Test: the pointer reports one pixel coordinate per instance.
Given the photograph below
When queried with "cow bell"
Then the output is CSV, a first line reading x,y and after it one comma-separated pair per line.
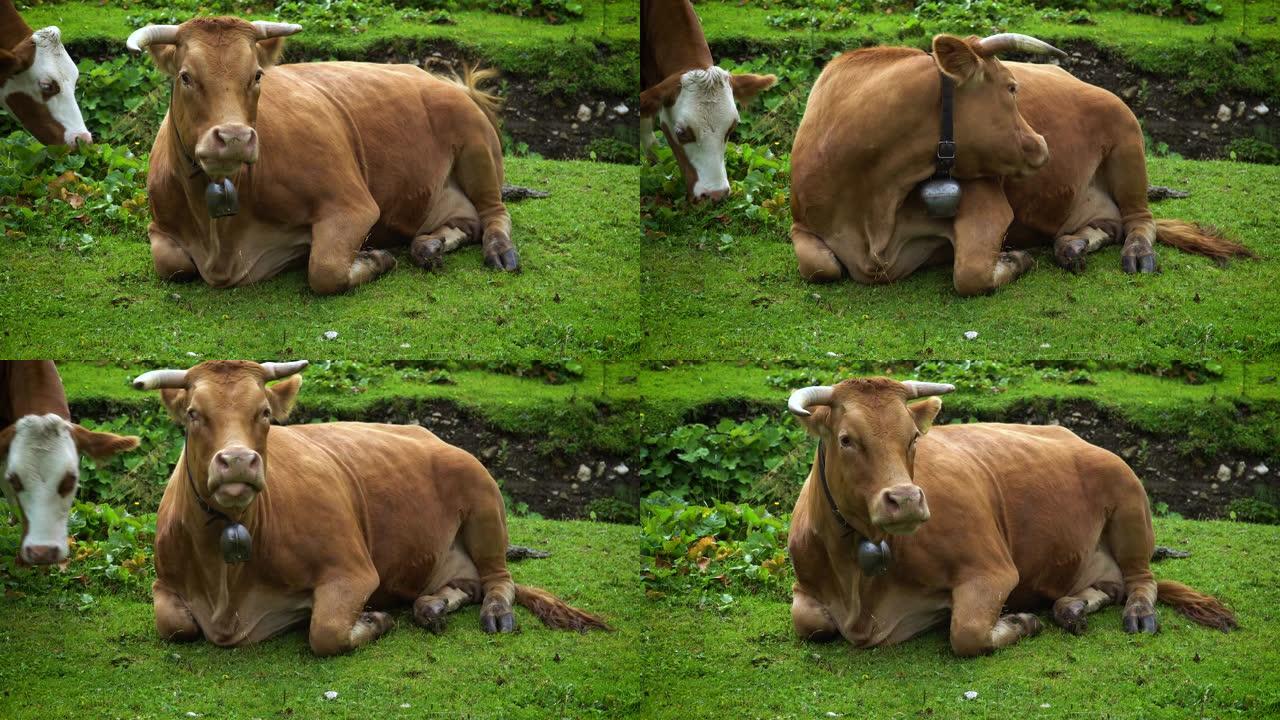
x,y
941,196
873,558
237,544
221,198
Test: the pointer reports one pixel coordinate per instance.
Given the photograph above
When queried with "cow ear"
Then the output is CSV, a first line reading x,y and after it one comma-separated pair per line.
x,y
175,402
165,56
6,439
101,445
17,60
924,412
270,50
816,423
747,85
956,58
664,93
281,396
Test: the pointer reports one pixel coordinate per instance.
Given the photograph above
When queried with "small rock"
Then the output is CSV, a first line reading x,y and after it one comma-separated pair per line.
x,y
1045,346
1261,469
1240,108
573,126
404,346
573,486
1224,113
555,492
1213,486
330,694
405,706
1053,421
1129,92
600,108
192,354
1224,473
1045,705
970,334
831,354
1129,452
489,452
1261,109
1239,468
330,334
584,113
832,713
1213,126
621,469
970,694
600,468
621,109
584,473
192,714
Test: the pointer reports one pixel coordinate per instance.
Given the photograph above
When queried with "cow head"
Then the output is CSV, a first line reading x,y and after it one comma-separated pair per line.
x,y
992,137
217,65
38,85
41,475
226,409
869,434
697,111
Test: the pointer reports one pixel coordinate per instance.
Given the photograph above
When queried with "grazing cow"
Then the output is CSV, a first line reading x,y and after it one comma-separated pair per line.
x,y
692,99
262,528
256,168
899,525
41,450
1039,155
38,80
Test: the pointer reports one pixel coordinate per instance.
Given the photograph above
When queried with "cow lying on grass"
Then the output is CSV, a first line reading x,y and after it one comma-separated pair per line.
x,y
262,527
256,168
1041,158
40,448
982,521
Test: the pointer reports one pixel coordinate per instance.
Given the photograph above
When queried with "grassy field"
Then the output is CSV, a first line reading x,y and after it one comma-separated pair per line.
x,y
106,661
578,249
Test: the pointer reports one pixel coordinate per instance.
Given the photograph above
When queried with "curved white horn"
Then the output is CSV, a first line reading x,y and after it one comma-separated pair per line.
x,y
1003,42
801,399
157,379
925,389
267,29
152,35
275,371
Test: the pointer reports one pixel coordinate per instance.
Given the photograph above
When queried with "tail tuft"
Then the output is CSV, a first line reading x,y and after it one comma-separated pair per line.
x,y
488,102
1201,608
1200,239
556,613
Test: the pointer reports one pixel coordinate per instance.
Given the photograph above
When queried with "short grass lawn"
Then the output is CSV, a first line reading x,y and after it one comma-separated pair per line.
x,y
57,661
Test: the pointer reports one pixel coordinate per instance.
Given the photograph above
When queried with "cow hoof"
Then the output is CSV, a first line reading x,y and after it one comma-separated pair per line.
x,y
1071,617
498,621
507,260
1139,264
1031,625
428,254
380,622
1071,256
382,260
1141,623
431,615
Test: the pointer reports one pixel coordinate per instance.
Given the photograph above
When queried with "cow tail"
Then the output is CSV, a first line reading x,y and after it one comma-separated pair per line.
x,y
556,613
489,103
1201,608
1200,239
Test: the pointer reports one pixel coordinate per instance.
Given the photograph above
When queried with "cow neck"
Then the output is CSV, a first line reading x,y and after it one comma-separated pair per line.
x,y
220,196
235,540
873,558
194,166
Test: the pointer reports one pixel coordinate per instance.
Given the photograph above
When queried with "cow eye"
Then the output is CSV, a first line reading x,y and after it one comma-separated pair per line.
x,y
193,416
846,441
685,135
1013,88
68,484
257,77
49,88
185,77
15,482
266,413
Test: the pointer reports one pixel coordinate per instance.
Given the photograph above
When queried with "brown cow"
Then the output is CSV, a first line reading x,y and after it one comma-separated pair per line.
x,y
331,519
692,98
315,161
38,80
42,447
973,519
1041,156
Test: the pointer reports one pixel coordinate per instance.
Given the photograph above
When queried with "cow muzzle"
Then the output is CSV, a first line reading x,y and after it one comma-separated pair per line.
x,y
235,476
225,148
901,509
42,554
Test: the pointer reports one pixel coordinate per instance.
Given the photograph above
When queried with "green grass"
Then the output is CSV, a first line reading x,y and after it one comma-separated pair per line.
x,y
597,53
573,299
748,301
106,661
745,662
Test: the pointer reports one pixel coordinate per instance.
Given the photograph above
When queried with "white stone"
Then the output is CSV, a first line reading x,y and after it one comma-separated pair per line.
x,y
1224,113
1045,346
600,108
1224,473
584,113
330,694
191,713
970,694
1261,469
1240,108
832,354
621,109
1261,109
584,473
404,346
621,469
1045,705
970,334
192,354
330,334
405,706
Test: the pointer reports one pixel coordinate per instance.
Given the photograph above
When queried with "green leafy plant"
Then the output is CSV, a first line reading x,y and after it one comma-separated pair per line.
x,y
699,463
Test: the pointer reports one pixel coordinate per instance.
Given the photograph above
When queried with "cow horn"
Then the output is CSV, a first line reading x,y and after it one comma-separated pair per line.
x,y
267,29
152,35
1004,42
276,371
801,399
158,379
925,389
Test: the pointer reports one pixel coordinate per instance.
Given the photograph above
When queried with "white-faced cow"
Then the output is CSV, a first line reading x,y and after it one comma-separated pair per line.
x,y
899,526
1039,155
263,527
258,167
38,81
40,448
691,99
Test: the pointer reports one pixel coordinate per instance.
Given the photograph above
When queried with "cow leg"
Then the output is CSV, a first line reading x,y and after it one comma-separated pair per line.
x,y
337,263
1070,611
169,259
817,263
429,610
1069,250
485,538
1125,172
339,623
174,621
977,627
1132,541
479,175
436,238
811,620
978,234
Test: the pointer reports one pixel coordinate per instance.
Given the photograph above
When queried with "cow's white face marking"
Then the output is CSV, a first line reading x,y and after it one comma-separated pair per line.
x,y
43,460
51,81
700,119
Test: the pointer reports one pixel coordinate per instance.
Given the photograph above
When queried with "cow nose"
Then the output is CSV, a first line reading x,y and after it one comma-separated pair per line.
x,y
235,462
41,554
712,195
232,136
81,138
903,499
